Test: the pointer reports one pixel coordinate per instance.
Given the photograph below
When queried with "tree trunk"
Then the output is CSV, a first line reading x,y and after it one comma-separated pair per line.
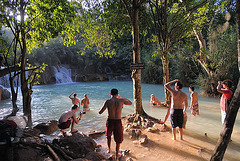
x,y
14,97
26,92
203,61
227,128
165,63
6,71
136,73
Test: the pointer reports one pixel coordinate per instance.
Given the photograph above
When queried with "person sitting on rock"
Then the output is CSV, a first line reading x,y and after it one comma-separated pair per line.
x,y
69,118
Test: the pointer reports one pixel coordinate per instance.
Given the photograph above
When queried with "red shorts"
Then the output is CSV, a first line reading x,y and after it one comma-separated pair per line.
x,y
115,126
64,125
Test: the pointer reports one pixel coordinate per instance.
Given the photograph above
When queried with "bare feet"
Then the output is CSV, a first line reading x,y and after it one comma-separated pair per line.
x,y
118,156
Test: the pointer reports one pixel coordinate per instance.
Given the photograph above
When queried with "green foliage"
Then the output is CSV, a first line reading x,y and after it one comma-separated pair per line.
x,y
49,19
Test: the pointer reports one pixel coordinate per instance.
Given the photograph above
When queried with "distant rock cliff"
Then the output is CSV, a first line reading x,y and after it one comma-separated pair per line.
x,y
89,74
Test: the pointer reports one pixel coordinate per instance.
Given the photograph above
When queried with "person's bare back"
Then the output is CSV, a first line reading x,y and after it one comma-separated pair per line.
x,y
194,97
75,100
114,106
178,97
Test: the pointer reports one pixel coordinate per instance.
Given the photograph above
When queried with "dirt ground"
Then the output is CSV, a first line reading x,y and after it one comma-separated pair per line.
x,y
161,147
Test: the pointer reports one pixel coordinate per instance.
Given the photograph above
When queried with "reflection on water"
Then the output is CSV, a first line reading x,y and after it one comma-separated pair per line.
x,y
49,101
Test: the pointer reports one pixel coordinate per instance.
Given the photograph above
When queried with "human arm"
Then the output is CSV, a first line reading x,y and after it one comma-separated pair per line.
x,y
168,85
166,117
185,104
103,108
71,94
191,96
75,118
127,101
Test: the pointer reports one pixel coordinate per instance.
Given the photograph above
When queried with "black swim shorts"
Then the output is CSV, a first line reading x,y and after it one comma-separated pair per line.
x,y
176,116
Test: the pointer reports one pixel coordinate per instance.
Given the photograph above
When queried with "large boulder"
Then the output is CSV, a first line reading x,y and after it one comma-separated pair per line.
x,y
5,94
79,144
47,127
48,76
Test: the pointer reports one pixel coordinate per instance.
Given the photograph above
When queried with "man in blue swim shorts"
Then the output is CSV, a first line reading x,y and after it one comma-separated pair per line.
x,y
177,110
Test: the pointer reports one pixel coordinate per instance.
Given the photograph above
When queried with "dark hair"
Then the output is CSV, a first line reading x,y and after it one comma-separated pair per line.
x,y
179,84
192,88
114,91
228,83
74,107
75,95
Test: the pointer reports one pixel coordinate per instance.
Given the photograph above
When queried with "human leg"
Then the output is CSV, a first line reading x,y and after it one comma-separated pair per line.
x,y
72,127
223,114
180,133
109,143
117,151
174,133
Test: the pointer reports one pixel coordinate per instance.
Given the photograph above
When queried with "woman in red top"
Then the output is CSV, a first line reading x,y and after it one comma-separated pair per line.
x,y
224,88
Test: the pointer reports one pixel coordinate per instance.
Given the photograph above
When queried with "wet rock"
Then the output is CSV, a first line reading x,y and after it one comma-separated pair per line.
x,y
152,130
143,139
137,118
5,93
128,127
134,133
129,159
95,156
47,127
79,144
96,134
162,127
150,123
130,117
136,125
32,140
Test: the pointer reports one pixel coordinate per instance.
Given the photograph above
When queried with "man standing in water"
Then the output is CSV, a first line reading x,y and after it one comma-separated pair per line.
x,y
114,124
194,102
85,102
177,110
75,100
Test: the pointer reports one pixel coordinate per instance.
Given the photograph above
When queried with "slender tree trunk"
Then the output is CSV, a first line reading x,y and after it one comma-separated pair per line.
x,y
26,92
203,61
136,73
165,63
14,97
227,128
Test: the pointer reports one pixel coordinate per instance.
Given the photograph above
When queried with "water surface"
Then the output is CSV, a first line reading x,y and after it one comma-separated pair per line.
x,y
49,101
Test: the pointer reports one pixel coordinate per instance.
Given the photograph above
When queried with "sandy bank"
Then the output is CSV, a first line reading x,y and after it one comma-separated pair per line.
x,y
161,147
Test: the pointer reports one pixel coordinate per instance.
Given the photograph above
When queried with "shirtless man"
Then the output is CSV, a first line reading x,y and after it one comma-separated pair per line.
x,y
114,124
177,110
75,100
194,102
69,117
85,103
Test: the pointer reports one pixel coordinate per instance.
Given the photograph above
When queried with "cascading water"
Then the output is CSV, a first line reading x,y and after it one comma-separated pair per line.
x,y
62,74
4,81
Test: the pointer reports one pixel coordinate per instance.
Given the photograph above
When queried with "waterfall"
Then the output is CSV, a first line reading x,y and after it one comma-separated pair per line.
x,y
4,81
62,74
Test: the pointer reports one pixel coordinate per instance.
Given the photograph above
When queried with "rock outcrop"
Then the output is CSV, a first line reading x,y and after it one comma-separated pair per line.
x,y
5,94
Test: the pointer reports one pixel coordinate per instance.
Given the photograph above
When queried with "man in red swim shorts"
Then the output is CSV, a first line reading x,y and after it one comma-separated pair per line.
x,y
114,124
